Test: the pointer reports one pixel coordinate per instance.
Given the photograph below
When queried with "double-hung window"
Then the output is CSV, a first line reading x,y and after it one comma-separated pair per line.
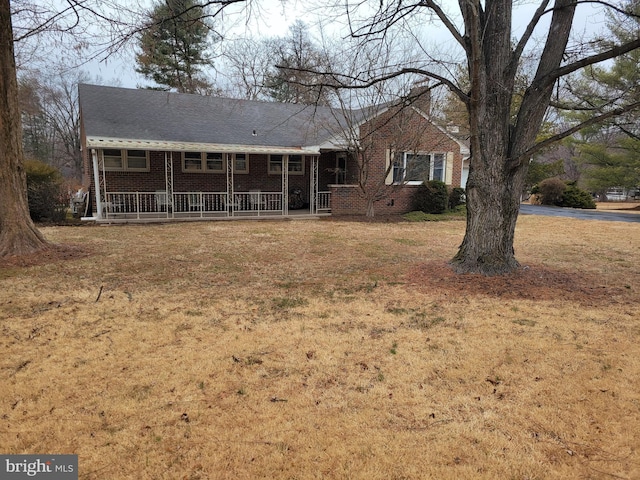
x,y
240,163
125,160
295,164
275,163
212,162
415,168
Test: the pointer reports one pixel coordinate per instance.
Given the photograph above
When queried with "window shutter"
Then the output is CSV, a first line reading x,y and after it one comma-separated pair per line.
x,y
448,177
388,167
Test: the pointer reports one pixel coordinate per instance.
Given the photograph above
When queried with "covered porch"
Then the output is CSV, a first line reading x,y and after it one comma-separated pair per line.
x,y
275,182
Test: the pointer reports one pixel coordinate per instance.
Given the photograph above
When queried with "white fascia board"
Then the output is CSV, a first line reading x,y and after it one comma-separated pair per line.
x,y
108,142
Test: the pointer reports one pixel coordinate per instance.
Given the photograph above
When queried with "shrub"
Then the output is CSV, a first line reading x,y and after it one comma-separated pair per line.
x,y
550,191
456,197
431,197
45,192
577,198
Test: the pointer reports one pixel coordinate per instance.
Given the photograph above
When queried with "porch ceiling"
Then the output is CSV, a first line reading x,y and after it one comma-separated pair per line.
x,y
106,142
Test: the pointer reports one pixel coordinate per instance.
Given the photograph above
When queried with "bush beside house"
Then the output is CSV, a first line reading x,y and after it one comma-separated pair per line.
x,y
431,197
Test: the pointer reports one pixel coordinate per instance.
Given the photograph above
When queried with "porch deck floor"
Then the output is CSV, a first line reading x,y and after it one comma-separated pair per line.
x,y
161,217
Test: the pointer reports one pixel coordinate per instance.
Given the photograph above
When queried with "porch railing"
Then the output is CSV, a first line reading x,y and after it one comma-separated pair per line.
x,y
140,205
323,202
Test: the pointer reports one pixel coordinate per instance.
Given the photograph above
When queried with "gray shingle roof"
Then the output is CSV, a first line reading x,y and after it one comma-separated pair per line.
x,y
151,115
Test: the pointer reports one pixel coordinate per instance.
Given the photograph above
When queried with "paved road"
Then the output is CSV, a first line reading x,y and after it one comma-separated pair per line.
x,y
579,214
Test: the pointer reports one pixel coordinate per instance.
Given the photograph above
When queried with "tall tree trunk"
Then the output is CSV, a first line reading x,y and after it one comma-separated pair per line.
x,y
493,202
18,234
498,162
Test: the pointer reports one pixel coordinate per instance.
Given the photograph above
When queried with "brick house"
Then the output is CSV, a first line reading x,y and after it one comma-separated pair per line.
x,y
153,155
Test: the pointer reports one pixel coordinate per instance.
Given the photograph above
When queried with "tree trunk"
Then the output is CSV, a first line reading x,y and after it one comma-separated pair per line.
x,y
493,203
18,234
498,163
370,210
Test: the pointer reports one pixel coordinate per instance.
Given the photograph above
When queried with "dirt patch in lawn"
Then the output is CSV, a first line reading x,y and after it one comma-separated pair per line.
x,y
51,254
531,282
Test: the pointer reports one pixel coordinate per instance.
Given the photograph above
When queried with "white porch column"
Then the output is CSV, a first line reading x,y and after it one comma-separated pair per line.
x,y
231,207
285,185
313,187
168,185
96,181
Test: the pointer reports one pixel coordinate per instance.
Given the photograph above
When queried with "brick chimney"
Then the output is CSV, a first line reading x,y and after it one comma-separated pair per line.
x,y
420,96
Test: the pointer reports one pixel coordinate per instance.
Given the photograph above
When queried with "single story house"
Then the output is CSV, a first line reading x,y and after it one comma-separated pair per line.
x,y
156,155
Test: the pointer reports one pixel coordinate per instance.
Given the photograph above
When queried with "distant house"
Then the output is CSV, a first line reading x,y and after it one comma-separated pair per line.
x,y
151,155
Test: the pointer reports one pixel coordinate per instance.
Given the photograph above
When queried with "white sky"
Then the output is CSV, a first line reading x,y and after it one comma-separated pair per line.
x,y
271,18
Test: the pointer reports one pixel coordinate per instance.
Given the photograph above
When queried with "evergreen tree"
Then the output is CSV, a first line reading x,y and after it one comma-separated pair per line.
x,y
173,47
610,153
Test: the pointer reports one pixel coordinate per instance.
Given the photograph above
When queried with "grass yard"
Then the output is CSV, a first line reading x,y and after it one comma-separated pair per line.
x,y
325,350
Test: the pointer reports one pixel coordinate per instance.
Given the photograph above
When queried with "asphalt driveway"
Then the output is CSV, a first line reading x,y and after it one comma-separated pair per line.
x,y
579,214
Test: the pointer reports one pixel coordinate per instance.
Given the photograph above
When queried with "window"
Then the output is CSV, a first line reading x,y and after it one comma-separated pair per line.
x,y
192,161
341,169
414,168
275,163
203,162
215,162
437,167
241,163
134,160
296,164
113,159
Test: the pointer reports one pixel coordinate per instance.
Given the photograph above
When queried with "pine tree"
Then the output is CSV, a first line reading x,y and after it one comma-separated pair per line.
x,y
609,152
173,47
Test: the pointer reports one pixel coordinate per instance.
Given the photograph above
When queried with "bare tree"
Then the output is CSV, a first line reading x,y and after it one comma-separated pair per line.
x,y
378,133
18,234
38,137
51,119
247,62
502,139
297,58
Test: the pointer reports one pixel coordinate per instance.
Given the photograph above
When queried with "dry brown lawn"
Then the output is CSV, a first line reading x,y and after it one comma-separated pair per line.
x,y
324,349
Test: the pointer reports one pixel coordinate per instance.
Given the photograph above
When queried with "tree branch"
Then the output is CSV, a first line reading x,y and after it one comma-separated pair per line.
x,y
517,53
446,21
592,121
614,52
346,82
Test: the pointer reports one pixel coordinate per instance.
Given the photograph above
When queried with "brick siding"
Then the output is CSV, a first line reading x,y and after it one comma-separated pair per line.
x,y
396,130
380,136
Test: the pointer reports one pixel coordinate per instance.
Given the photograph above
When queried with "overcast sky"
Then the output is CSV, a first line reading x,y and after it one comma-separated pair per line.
x,y
271,18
